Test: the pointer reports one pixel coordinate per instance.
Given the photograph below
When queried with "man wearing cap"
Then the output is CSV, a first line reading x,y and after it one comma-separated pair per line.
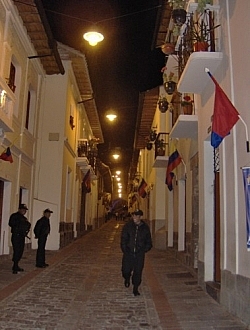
x,y
41,231
135,242
20,227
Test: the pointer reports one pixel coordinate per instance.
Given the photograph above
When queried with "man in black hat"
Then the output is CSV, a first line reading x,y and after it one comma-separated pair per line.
x,y
41,231
20,227
135,242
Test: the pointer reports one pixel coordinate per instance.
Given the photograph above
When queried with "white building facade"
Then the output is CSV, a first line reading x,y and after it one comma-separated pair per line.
x,y
203,219
48,127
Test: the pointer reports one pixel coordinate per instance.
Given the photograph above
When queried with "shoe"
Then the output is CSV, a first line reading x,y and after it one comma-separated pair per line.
x,y
14,271
46,265
40,266
20,269
126,283
136,292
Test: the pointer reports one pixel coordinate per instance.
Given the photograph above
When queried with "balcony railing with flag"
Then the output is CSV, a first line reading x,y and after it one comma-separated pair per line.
x,y
200,28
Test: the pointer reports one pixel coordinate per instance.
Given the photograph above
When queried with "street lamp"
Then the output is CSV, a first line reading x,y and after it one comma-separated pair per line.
x,y
116,156
111,116
93,37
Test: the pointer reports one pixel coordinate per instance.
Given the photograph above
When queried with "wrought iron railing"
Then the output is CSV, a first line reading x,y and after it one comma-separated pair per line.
x,y
161,144
198,33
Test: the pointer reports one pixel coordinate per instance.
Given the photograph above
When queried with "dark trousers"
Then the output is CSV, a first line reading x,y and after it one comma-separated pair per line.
x,y
133,264
40,253
18,242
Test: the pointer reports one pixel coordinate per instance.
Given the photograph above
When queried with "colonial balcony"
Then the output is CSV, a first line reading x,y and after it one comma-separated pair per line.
x,y
161,150
191,61
198,47
86,156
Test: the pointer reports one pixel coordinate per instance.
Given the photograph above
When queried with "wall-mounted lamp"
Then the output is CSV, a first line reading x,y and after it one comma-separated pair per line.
x,y
93,37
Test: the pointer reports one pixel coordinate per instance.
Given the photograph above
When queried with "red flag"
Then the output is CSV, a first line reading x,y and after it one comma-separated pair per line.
x,y
87,182
173,162
141,189
6,156
225,115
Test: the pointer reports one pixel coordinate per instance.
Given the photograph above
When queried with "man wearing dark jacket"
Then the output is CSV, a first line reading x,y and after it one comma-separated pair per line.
x,y
135,242
20,227
41,231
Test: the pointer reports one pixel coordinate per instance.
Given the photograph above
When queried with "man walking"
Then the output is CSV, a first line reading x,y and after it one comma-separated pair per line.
x,y
41,231
20,227
135,242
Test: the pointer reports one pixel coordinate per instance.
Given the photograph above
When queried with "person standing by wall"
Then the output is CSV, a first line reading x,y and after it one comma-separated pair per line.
x,y
41,231
20,226
135,242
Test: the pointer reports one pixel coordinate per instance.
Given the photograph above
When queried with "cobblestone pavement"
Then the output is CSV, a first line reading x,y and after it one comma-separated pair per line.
x,y
83,289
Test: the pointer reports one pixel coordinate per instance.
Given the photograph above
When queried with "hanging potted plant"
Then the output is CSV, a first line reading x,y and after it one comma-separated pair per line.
x,y
152,135
178,13
169,83
163,104
187,105
149,146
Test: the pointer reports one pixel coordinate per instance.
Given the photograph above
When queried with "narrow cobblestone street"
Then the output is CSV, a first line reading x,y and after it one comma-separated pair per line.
x,y
83,289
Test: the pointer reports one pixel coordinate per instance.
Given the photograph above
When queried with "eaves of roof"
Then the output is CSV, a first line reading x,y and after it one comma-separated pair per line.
x,y
80,68
38,29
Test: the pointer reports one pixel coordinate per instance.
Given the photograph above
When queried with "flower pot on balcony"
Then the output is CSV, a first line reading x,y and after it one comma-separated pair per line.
x,y
200,46
179,16
187,109
160,152
170,87
163,105
149,146
152,135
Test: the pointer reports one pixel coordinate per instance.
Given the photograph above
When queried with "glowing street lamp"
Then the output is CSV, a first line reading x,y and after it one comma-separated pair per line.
x,y
116,156
111,116
93,37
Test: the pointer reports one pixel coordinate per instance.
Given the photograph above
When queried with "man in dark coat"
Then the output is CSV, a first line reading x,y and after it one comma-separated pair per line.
x,y
41,231
20,227
135,242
